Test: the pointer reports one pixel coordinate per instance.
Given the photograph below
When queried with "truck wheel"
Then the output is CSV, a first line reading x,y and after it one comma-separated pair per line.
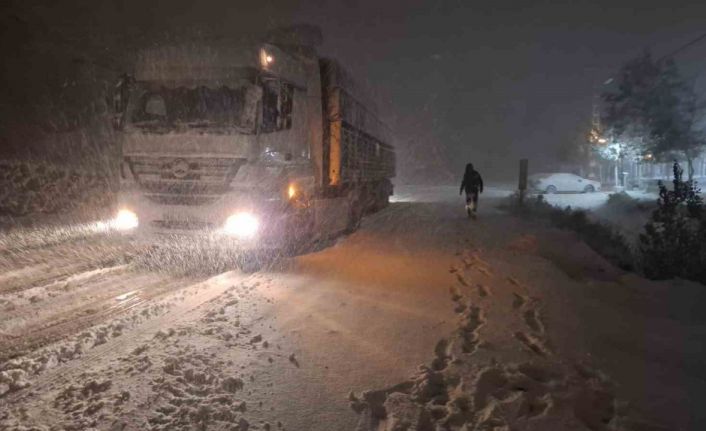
x,y
354,217
302,238
384,199
382,196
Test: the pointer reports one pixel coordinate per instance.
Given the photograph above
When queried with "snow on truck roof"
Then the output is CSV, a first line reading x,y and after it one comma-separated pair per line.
x,y
222,63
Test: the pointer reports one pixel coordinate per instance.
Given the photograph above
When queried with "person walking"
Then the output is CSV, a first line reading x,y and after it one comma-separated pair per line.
x,y
472,184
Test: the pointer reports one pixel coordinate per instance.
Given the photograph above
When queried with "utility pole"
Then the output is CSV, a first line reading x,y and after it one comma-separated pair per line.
x,y
523,180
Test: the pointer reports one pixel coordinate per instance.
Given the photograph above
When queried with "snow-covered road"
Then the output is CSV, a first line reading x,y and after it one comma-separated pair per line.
x,y
514,325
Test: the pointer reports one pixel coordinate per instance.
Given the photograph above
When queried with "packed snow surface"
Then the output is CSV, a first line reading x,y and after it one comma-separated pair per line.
x,y
421,320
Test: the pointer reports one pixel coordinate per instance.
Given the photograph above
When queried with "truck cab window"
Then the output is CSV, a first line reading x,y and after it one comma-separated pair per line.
x,y
223,108
276,106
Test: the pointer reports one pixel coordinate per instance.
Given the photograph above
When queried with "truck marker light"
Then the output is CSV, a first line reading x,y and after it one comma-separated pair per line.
x,y
241,225
125,220
266,59
291,191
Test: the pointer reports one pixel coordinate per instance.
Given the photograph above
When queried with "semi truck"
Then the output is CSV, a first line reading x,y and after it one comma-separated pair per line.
x,y
263,142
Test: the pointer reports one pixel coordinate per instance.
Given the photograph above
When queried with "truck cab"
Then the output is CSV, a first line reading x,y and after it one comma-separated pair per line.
x,y
255,142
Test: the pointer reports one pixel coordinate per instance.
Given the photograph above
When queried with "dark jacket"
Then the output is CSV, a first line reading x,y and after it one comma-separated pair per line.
x,y
472,181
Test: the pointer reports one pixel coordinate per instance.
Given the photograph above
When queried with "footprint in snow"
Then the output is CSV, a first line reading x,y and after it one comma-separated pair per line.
x,y
485,271
533,321
455,294
513,281
482,290
442,353
532,343
518,300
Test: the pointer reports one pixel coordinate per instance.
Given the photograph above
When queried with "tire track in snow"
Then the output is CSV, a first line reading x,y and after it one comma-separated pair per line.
x,y
70,320
48,273
137,382
33,303
198,295
34,268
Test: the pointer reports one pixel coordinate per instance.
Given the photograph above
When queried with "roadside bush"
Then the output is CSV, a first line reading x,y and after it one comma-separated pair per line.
x,y
674,241
602,238
623,202
620,199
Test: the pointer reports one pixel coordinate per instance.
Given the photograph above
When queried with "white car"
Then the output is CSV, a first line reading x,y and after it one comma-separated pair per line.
x,y
553,183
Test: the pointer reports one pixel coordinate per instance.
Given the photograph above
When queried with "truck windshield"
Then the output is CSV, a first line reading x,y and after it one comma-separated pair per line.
x,y
200,107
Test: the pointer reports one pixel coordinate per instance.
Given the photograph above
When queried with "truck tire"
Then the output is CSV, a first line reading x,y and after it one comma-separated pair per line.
x,y
355,215
380,196
383,197
303,236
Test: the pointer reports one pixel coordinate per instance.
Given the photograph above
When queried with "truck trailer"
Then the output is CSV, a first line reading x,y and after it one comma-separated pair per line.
x,y
261,142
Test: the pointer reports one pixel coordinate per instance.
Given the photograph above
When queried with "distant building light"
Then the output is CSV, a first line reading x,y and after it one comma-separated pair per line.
x,y
602,140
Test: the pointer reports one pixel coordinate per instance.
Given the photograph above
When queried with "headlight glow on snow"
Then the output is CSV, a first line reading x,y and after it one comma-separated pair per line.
x,y
125,220
241,225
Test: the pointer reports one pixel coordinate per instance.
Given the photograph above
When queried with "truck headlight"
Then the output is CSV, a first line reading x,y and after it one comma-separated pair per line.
x,y
241,225
125,220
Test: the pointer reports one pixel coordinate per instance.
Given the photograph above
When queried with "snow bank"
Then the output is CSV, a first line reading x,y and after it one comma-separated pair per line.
x,y
30,189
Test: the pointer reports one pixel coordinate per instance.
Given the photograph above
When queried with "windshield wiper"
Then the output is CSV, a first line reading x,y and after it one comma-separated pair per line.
x,y
216,126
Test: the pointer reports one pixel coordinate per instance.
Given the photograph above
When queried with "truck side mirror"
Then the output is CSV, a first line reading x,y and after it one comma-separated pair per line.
x,y
120,99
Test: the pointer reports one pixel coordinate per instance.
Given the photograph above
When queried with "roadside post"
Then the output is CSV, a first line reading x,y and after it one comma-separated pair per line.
x,y
523,180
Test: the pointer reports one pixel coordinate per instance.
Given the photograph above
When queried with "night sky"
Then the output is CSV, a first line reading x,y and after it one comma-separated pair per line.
x,y
489,81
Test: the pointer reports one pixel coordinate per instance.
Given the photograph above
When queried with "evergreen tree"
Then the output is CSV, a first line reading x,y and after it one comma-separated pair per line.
x,y
654,110
673,244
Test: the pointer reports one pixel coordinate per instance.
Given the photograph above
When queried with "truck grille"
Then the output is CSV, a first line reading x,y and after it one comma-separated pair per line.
x,y
184,181
182,224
